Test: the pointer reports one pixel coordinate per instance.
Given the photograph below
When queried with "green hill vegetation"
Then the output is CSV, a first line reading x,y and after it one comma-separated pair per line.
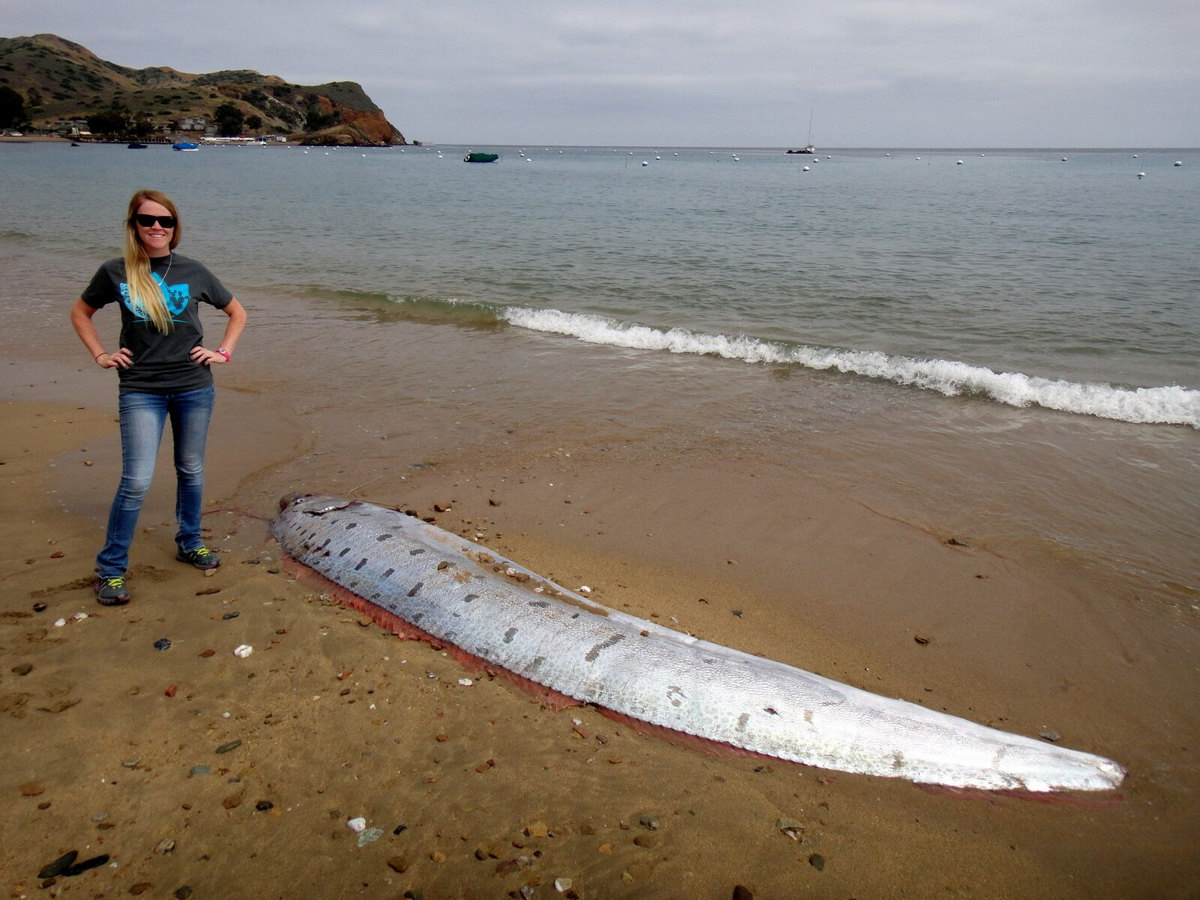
x,y
51,84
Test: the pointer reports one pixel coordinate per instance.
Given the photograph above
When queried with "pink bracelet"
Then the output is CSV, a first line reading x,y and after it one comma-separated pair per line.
x,y
224,353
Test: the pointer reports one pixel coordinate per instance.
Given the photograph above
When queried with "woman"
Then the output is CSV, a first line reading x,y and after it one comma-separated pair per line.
x,y
164,372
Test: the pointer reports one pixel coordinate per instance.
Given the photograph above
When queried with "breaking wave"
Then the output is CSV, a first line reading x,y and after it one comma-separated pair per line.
x,y
1169,404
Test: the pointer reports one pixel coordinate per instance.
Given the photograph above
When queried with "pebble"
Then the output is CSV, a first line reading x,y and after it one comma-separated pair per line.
x,y
740,892
584,589
232,745
79,616
264,805
649,822
537,829
817,861
165,846
59,623
241,651
162,644
22,669
60,865
398,864
39,607
31,789
357,824
648,841
140,888
198,771
170,690
182,893
791,828
131,763
232,614
208,654
465,682
1050,736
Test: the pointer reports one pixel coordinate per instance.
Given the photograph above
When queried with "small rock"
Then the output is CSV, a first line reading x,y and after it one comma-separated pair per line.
x,y
1050,736
165,846
398,864
232,614
357,824
649,822
60,865
537,830
31,789
264,805
241,651
39,607
140,888
182,893
605,848
170,690
233,801
274,570
648,841
791,828
199,771
465,682
162,644
22,668
817,861
208,654
132,762
562,885
57,554
920,640
742,893
399,829
437,856
232,745
59,623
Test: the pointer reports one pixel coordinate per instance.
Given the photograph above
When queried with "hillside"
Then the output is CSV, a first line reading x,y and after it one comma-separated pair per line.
x,y
60,81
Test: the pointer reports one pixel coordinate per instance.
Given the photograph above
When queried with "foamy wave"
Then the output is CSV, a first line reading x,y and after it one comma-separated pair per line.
x,y
1170,404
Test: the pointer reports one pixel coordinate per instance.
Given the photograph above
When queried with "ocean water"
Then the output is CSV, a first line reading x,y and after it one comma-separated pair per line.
x,y
1010,332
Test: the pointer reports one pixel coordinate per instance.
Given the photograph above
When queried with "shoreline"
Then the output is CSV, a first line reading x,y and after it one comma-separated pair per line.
x,y
726,546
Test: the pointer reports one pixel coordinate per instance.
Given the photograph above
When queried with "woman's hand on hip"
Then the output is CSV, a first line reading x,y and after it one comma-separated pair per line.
x,y
204,357
122,359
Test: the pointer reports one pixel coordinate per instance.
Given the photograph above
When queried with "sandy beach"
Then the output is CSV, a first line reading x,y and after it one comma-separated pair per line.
x,y
198,773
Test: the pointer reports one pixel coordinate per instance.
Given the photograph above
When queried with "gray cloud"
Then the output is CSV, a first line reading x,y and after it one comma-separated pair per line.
x,y
876,72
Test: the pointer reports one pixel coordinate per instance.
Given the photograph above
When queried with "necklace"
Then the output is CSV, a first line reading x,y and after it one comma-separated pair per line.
x,y
170,262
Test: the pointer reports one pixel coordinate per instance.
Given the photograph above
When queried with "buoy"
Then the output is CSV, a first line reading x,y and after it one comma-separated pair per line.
x,y
1064,159
918,159
959,163
658,157
1141,175
645,163
1178,163
805,169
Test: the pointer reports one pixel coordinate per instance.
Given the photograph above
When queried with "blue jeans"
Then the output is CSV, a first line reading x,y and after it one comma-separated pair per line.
x,y
142,420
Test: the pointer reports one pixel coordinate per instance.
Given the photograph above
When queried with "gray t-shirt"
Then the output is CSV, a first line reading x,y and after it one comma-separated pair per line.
x,y
161,362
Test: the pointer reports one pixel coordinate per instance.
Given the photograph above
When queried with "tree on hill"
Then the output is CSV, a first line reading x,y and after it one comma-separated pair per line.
x,y
111,121
12,108
229,120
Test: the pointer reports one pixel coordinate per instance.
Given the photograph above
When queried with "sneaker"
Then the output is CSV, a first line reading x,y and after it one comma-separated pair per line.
x,y
200,557
111,592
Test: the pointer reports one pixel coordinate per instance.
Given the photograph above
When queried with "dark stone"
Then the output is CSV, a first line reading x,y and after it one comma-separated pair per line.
x,y
79,868
400,828
22,669
264,805
162,644
742,893
59,866
39,607
817,861
182,893
232,745
233,614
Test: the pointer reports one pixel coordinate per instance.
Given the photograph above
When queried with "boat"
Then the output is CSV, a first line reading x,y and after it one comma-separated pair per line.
x,y
185,145
136,146
477,157
809,149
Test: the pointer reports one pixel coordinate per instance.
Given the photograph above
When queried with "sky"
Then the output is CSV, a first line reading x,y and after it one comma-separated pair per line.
x,y
867,73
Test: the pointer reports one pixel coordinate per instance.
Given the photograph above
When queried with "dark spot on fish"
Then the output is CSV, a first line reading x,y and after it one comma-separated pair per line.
x,y
771,710
351,525
743,721
613,640
469,597
353,584
540,604
416,552
326,544
897,760
508,635
375,596
536,662
417,617
384,537
416,587
344,552
362,562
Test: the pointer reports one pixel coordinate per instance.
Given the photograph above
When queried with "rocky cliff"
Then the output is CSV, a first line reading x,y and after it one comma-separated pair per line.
x,y
62,81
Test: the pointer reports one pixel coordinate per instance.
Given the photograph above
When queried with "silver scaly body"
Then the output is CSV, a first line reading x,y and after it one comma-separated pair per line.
x,y
464,594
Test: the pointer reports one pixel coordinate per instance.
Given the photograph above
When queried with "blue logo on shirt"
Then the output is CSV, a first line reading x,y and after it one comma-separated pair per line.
x,y
176,296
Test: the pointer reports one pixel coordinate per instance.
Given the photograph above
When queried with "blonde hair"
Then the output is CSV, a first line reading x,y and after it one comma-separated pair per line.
x,y
144,292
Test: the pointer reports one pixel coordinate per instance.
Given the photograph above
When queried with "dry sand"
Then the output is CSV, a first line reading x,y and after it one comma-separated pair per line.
x,y
476,790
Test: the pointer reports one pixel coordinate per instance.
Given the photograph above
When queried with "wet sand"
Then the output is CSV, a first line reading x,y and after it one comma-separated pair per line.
x,y
478,791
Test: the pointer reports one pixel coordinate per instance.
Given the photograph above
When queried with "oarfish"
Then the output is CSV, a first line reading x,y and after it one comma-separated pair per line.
x,y
465,595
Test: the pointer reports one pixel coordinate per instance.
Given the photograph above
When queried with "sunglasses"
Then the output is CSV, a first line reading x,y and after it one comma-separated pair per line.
x,y
146,220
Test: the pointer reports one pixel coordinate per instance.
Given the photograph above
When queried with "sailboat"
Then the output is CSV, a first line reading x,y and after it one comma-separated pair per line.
x,y
808,148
